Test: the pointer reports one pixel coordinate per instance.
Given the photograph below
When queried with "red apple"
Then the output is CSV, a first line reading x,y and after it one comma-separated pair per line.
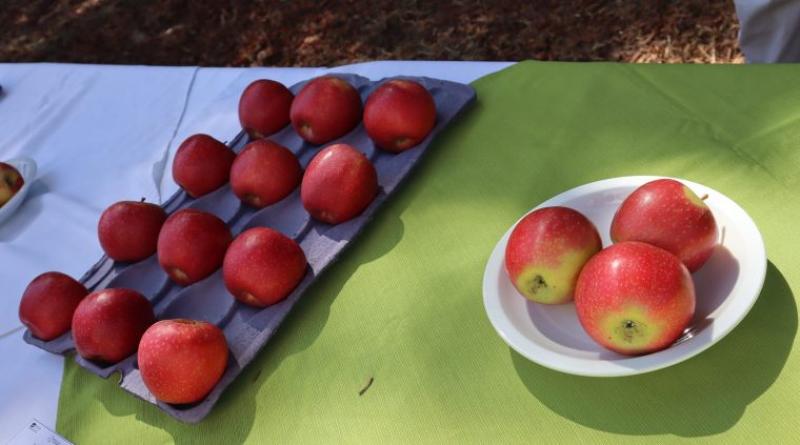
x,y
634,298
264,173
191,245
339,184
48,303
264,108
10,182
181,360
399,114
263,266
667,214
326,108
546,251
128,230
108,324
202,165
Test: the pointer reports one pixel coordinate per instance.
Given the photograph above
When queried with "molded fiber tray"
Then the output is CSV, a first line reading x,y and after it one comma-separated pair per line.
x,y
248,329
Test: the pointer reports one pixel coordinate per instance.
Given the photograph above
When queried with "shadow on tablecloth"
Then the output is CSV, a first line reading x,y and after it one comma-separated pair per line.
x,y
703,396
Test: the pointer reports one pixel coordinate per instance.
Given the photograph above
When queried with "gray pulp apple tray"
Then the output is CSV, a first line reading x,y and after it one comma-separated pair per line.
x,y
248,329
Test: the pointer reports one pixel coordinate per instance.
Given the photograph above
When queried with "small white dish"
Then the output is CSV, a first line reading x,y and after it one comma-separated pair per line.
x,y
727,286
26,168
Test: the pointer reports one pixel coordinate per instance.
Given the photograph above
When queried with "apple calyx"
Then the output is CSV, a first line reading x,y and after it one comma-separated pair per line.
x,y
630,329
536,284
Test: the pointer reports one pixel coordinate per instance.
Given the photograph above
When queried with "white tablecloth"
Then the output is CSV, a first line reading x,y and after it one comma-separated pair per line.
x,y
101,134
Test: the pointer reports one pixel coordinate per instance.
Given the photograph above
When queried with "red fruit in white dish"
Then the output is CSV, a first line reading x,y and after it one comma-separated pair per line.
x,y
202,164
399,114
546,251
108,324
264,108
181,360
667,214
191,245
10,182
339,183
634,298
48,303
128,230
263,266
265,172
325,109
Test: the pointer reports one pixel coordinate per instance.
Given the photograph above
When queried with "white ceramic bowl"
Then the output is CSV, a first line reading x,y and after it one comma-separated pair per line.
x,y
26,168
727,286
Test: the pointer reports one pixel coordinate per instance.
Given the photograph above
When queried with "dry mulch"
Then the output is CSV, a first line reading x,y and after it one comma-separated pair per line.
x,y
327,33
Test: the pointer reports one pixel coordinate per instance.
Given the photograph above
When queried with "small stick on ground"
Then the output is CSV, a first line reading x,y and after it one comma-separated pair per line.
x,y
366,387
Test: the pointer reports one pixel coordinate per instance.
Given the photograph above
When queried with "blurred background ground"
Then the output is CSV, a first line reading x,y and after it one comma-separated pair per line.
x,y
328,33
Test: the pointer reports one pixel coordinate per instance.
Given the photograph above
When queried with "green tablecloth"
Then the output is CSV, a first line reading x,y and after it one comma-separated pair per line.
x,y
404,305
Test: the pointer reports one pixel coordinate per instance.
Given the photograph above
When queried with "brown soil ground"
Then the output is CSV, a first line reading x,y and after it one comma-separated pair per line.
x,y
327,33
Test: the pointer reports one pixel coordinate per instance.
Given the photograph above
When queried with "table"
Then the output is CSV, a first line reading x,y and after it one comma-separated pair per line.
x,y
402,308
101,134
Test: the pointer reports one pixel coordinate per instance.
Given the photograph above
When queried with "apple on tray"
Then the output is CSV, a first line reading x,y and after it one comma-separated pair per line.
x,y
263,266
191,245
128,230
339,183
546,251
108,324
634,298
667,214
264,108
325,109
10,182
399,114
202,164
264,172
48,304
181,360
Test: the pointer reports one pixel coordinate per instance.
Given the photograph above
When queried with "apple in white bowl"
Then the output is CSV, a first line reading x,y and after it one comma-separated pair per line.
x,y
10,182
16,177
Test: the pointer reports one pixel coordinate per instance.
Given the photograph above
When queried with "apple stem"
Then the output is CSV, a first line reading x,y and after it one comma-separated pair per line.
x,y
143,199
704,197
366,387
